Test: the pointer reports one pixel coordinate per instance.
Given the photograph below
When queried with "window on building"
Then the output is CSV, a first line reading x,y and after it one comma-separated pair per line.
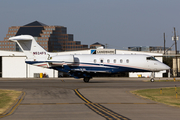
x,y
108,61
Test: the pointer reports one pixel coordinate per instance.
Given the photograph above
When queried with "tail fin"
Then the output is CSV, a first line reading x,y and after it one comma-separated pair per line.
x,y
30,47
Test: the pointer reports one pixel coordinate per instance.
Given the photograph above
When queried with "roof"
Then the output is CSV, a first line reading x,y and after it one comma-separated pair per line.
x,y
11,53
34,29
97,43
36,23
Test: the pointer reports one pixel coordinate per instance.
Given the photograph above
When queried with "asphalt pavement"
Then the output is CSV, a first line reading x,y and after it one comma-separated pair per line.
x,y
100,99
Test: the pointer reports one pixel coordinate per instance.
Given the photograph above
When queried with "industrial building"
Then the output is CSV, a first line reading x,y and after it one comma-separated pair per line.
x,y
51,38
158,49
12,63
96,45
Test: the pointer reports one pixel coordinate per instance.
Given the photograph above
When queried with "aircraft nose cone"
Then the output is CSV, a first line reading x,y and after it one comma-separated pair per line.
x,y
166,67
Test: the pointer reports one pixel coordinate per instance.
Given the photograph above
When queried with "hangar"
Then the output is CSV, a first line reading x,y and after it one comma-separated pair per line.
x,y
12,63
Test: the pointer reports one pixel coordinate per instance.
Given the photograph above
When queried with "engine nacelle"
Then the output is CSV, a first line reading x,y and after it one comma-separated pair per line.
x,y
62,59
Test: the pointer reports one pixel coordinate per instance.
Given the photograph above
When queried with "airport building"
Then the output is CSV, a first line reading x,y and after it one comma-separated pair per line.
x,y
51,38
12,64
97,45
158,49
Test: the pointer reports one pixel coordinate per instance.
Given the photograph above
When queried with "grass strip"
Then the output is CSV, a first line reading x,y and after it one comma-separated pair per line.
x,y
167,81
169,96
7,98
158,80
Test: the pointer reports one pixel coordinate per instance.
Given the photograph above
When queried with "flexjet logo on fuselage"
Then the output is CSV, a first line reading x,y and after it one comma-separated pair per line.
x,y
39,53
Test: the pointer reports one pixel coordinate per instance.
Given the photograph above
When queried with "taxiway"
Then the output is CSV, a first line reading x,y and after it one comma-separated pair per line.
x,y
100,99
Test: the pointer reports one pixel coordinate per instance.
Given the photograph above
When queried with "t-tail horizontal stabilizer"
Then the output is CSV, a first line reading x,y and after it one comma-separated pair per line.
x,y
30,47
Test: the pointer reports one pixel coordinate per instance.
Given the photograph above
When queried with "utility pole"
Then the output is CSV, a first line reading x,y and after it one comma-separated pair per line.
x,y
176,51
164,44
106,45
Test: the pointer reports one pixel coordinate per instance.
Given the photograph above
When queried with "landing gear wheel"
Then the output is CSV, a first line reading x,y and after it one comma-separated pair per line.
x,y
86,80
152,80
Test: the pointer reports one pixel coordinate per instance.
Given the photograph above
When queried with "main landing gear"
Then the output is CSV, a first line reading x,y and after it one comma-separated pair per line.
x,y
86,79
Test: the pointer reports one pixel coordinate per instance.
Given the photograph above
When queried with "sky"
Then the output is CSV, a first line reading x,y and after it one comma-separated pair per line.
x,y
117,23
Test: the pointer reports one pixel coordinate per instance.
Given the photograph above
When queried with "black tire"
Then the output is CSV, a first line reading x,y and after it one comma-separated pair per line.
x,y
152,80
86,80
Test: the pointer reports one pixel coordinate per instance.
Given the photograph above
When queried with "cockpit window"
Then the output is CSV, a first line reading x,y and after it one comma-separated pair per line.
x,y
151,58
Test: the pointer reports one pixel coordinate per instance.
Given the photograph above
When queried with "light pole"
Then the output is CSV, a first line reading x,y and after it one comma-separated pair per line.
x,y
175,40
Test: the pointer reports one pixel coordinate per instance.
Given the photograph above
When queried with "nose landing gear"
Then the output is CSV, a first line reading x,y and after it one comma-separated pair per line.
x,y
152,80
152,77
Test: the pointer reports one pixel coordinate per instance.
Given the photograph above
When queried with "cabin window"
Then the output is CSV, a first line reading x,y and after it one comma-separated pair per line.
x,y
94,60
101,61
108,61
121,61
127,61
114,60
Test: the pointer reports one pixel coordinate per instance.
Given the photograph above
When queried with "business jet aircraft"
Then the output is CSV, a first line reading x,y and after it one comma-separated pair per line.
x,y
86,66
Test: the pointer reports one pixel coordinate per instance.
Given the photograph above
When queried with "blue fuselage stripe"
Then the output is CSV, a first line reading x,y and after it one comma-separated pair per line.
x,y
94,67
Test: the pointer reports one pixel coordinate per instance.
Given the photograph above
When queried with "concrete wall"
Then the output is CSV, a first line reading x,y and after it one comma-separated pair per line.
x,y
146,74
34,69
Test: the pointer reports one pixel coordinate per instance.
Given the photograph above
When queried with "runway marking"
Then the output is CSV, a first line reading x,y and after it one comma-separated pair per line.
x,y
101,110
62,80
11,109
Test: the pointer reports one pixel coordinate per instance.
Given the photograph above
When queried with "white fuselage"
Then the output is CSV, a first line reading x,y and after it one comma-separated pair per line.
x,y
103,63
85,66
